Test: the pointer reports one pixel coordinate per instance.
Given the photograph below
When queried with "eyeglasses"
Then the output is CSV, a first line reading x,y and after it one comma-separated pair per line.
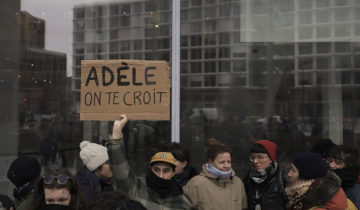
x,y
259,157
336,161
61,179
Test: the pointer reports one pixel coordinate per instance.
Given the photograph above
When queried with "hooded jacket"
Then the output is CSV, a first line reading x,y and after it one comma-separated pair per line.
x,y
324,193
207,192
136,188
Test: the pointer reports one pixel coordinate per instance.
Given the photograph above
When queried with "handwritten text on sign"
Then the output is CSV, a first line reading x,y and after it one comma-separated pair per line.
x,y
140,89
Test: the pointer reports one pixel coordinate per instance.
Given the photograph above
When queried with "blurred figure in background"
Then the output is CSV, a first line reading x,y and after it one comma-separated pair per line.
x,y
323,147
264,184
183,170
343,160
217,187
23,173
57,187
96,175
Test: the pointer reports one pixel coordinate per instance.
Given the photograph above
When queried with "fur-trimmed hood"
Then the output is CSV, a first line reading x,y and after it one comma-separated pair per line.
x,y
321,191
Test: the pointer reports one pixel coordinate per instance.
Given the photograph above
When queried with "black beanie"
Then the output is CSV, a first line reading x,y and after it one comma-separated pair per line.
x,y
310,165
24,169
6,202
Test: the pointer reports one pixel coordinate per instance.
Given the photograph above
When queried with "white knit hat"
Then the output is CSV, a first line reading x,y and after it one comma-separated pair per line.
x,y
93,155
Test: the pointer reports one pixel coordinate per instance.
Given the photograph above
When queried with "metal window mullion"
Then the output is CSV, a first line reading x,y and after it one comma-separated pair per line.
x,y
175,73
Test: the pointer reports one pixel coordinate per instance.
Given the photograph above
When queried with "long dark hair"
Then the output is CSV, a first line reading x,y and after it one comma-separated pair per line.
x,y
38,197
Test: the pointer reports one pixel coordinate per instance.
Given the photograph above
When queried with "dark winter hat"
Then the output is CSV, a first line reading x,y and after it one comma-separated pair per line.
x,y
270,147
24,169
310,165
6,202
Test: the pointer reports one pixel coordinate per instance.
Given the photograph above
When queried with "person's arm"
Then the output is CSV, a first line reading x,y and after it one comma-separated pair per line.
x,y
192,193
124,178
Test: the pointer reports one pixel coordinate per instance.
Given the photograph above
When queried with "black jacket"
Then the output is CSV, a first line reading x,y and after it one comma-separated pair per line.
x,y
271,192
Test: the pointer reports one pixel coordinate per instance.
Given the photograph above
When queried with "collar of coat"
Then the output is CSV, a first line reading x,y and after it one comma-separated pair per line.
x,y
321,191
219,181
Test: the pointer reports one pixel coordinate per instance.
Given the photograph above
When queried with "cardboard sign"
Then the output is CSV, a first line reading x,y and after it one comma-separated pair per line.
x,y
138,88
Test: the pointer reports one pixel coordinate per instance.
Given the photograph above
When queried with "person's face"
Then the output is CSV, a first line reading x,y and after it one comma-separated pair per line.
x,y
222,161
104,171
180,166
335,163
163,171
293,174
260,160
59,196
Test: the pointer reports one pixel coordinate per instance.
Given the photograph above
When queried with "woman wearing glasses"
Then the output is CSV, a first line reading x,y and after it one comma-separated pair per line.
x,y
58,187
264,182
343,161
217,187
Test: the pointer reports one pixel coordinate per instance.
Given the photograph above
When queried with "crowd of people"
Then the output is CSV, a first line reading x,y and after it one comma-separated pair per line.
x,y
325,178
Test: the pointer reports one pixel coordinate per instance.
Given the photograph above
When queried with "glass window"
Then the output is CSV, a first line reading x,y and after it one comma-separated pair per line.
x,y
342,14
323,62
224,52
224,38
306,63
137,44
196,54
305,33
323,32
210,12
224,66
305,78
305,48
210,53
280,69
196,67
210,81
305,4
323,47
239,65
342,30
225,10
323,16
342,47
305,17
196,2
342,62
322,3
210,67
196,14
210,39
196,27
195,40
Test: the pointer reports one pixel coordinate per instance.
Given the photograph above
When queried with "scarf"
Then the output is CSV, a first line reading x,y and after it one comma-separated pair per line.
x,y
296,190
185,176
163,187
348,176
259,176
216,172
55,207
